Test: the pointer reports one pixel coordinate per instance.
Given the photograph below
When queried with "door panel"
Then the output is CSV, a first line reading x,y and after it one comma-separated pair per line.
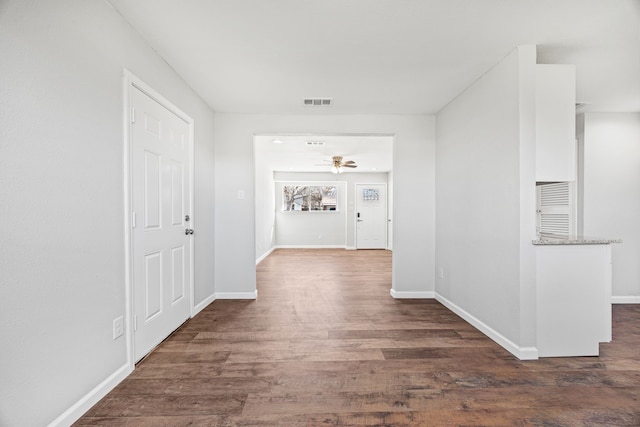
x,y
153,284
177,193
371,212
178,276
151,124
160,196
151,190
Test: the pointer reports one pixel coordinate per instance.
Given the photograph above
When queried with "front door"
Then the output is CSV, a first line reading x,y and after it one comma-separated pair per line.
x,y
160,160
371,216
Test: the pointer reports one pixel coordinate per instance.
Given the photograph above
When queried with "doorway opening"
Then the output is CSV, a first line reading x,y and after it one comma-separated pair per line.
x,y
316,163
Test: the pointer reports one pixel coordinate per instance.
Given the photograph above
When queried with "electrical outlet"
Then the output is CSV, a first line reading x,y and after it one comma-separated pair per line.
x,y
118,327
441,273
319,236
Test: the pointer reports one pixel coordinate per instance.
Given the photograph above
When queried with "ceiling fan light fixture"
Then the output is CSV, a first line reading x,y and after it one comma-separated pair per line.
x,y
339,165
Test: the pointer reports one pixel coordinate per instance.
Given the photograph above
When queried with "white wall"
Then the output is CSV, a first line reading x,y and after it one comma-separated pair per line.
x,y
390,211
307,229
555,122
414,173
485,181
580,173
265,210
611,193
61,174
336,228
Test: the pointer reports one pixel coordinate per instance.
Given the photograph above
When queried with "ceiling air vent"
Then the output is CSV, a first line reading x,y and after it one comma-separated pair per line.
x,y
314,143
317,102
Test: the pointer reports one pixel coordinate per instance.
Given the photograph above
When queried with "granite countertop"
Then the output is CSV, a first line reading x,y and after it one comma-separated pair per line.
x,y
550,239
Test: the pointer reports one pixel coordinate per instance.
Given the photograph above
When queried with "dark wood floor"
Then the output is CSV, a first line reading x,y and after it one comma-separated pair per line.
x,y
325,345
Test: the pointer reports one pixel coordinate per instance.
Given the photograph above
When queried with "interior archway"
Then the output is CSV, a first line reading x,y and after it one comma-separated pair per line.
x,y
308,160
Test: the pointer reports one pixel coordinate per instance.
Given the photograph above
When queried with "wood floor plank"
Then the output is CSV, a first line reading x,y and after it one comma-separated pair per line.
x,y
316,356
154,421
398,334
125,405
215,386
325,345
178,370
163,354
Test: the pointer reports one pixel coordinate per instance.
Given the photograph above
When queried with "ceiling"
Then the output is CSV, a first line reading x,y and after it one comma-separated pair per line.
x,y
313,153
382,56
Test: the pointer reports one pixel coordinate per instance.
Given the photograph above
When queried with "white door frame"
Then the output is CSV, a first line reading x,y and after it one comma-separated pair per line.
x,y
355,215
131,81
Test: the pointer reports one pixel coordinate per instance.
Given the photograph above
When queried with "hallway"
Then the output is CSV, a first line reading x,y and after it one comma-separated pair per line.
x,y
325,345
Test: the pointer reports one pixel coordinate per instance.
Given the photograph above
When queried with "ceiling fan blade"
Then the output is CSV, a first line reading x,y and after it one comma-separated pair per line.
x,y
349,166
348,162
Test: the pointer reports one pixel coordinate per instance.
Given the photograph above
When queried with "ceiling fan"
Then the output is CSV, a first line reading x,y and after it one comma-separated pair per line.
x,y
338,164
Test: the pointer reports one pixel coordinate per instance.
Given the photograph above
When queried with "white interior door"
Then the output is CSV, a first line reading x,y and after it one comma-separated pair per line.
x,y
161,250
371,216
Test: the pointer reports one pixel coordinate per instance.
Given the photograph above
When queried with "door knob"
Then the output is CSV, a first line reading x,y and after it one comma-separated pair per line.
x,y
188,231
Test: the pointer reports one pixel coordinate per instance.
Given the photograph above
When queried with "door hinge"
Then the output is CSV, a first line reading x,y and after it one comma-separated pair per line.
x,y
135,323
133,220
133,115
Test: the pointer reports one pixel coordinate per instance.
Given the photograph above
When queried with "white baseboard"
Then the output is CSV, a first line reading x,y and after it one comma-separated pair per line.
x,y
528,353
237,295
201,306
269,252
350,248
310,247
629,299
79,408
412,295
522,353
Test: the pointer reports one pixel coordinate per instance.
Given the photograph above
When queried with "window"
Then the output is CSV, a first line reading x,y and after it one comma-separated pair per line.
x,y
306,198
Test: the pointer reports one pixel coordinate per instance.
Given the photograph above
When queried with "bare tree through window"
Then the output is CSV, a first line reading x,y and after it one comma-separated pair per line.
x,y
309,198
